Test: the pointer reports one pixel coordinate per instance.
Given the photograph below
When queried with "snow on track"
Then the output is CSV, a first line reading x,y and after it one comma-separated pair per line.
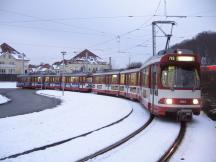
x,y
147,146
78,148
78,114
199,143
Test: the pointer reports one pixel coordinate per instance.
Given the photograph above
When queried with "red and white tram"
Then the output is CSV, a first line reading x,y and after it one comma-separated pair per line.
x,y
166,84
170,84
130,84
106,83
77,82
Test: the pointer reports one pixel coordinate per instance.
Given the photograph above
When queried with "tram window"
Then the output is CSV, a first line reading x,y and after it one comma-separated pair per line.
x,y
74,79
121,88
67,79
145,80
89,79
114,79
114,87
46,79
133,78
99,79
167,77
133,89
179,77
83,79
122,79
56,79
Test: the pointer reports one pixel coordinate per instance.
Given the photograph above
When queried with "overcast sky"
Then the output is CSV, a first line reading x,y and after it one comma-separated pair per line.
x,y
120,29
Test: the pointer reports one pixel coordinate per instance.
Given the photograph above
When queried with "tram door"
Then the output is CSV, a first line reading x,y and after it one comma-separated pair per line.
x,y
153,87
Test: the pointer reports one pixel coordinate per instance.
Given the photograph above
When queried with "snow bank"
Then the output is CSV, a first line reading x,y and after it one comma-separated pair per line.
x,y
3,99
78,114
8,85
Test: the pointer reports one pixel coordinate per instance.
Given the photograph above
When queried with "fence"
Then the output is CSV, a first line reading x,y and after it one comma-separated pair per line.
x,y
8,77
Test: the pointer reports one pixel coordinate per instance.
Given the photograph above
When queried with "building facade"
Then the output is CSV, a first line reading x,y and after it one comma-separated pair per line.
x,y
85,61
11,61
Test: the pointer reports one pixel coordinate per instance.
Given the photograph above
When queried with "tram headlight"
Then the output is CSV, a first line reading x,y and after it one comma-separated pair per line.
x,y
169,101
195,101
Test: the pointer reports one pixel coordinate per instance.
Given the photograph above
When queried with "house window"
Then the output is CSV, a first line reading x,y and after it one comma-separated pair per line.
x,y
2,71
11,63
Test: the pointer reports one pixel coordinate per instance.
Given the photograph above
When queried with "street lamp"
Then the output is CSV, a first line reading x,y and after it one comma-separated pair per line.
x,y
63,54
23,64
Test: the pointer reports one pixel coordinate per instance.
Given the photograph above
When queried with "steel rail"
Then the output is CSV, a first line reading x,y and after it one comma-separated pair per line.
x,y
165,157
65,140
118,143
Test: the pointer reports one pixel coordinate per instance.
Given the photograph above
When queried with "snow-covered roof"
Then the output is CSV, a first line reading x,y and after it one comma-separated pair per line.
x,y
88,57
56,67
6,49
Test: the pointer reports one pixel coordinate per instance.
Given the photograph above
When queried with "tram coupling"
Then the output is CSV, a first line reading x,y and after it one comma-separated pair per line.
x,y
184,115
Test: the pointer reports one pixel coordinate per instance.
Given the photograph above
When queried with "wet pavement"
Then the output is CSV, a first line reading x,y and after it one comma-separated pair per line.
x,y
24,101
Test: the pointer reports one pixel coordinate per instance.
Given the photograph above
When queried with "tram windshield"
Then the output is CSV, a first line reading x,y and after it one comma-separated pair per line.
x,y
180,77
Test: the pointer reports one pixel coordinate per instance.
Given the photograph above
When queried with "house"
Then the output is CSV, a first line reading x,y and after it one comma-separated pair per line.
x,y
85,61
40,69
12,61
56,66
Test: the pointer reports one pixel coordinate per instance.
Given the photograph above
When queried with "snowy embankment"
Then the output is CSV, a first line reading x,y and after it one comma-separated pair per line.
x,y
3,99
8,85
78,114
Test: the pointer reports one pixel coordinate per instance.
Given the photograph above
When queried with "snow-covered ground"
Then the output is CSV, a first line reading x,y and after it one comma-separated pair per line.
x,y
83,112
199,143
3,99
79,113
147,146
83,146
8,85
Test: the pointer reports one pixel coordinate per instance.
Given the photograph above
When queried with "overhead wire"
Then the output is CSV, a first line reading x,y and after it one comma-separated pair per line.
x,y
131,31
51,21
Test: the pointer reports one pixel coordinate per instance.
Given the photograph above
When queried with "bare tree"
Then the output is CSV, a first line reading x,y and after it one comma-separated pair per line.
x,y
134,65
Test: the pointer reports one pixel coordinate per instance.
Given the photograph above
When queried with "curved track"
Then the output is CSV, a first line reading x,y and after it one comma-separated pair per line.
x,y
118,143
165,157
65,140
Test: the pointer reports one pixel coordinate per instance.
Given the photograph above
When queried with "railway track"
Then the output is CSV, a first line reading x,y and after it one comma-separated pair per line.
x,y
65,140
165,157
118,143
